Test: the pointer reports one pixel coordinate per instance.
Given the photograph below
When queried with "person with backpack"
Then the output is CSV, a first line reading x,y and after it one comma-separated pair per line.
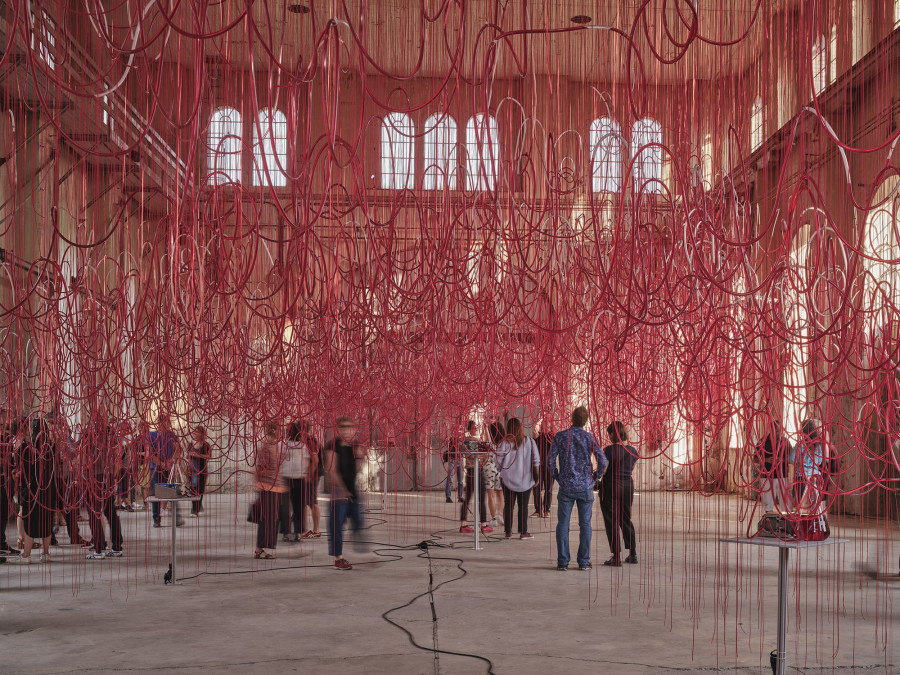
x,y
519,462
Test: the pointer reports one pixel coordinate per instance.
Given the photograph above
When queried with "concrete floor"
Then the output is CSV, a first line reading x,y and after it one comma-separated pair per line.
x,y
691,605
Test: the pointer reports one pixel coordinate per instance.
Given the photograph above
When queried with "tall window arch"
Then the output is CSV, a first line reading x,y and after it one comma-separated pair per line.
x,y
757,119
482,152
606,155
440,153
797,319
397,152
819,64
648,163
270,150
882,281
224,158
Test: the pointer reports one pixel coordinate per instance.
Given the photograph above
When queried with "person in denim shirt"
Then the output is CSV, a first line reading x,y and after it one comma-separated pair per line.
x,y
575,476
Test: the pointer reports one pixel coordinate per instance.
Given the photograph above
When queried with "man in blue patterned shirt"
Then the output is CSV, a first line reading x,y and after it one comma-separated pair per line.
x,y
575,476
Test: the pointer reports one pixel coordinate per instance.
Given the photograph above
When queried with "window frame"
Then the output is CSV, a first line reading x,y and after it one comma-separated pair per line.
x,y
392,138
604,133
225,163
264,168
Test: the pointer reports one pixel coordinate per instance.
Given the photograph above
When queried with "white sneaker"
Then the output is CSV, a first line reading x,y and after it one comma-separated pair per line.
x,y
19,560
45,557
493,522
113,554
93,555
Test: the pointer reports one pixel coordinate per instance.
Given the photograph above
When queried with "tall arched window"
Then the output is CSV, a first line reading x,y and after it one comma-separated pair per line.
x,y
482,152
797,321
882,281
648,164
224,157
270,151
397,152
757,119
819,64
606,155
440,153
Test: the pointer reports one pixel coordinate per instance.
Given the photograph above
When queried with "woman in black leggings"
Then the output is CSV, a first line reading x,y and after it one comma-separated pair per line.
x,y
617,495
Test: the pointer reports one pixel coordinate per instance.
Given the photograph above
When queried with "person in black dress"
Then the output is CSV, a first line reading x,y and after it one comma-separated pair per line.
x,y
617,494
36,491
543,488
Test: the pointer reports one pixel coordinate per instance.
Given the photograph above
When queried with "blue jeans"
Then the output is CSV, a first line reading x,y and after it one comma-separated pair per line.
x,y
339,513
565,501
454,469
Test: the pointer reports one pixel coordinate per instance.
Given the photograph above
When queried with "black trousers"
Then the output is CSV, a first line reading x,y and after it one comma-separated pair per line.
x,y
616,499
543,491
470,490
105,507
295,497
4,511
267,529
509,497
201,490
284,513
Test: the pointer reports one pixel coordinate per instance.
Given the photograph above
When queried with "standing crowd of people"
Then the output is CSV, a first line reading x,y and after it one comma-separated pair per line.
x,y
513,468
47,476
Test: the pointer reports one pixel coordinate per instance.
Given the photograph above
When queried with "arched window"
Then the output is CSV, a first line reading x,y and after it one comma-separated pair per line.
x,y
440,153
224,157
648,164
270,152
397,152
819,64
706,161
482,152
882,285
796,303
832,54
606,155
757,119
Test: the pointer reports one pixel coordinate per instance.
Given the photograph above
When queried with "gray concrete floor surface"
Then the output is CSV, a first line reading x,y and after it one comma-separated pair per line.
x,y
692,604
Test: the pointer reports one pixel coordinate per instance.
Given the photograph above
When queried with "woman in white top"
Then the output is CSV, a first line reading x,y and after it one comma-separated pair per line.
x,y
518,459
294,470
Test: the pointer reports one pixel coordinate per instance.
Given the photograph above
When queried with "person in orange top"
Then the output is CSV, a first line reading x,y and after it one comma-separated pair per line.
x,y
270,485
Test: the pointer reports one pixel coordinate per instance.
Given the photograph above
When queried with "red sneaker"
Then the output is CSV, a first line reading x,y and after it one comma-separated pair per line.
x,y
466,529
487,529
342,564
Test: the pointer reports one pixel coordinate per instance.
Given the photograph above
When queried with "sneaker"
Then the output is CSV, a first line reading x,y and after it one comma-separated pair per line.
x,y
449,500
508,535
45,558
93,555
536,514
9,551
562,568
179,523
466,529
157,523
113,554
585,567
19,560
193,515
493,522
613,562
342,564
631,559
545,514
526,536
487,529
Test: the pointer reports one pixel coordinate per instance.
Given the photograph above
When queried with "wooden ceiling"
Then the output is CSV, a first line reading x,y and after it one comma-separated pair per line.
x,y
409,38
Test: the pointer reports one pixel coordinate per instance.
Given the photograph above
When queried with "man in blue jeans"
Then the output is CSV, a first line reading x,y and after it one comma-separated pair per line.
x,y
575,476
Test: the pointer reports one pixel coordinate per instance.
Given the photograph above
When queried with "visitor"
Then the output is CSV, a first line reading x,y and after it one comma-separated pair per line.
x,y
295,470
270,486
810,462
543,488
164,450
199,454
496,432
493,488
468,447
777,452
519,462
8,433
617,494
575,475
36,492
310,485
104,452
341,464
454,471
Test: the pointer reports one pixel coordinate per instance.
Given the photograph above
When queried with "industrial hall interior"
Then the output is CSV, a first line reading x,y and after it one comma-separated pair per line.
x,y
450,337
